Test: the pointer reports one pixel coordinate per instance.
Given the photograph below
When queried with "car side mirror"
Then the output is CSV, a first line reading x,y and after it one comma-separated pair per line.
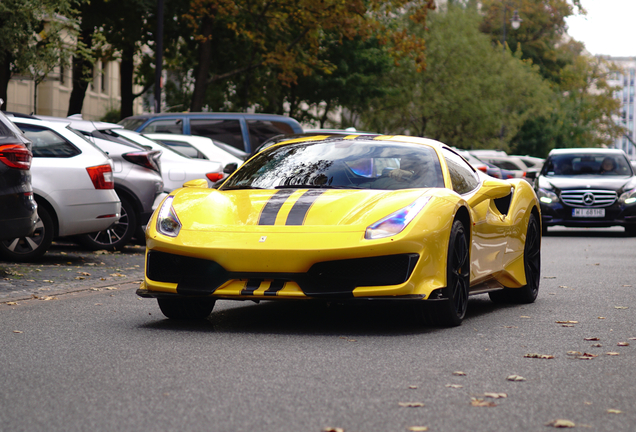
x,y
230,168
490,189
198,183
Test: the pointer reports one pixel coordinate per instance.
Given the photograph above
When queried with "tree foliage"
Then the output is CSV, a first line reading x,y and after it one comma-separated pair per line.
x,y
471,95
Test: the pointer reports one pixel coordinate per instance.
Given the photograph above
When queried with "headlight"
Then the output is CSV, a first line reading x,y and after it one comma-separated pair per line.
x,y
167,221
547,196
628,197
397,221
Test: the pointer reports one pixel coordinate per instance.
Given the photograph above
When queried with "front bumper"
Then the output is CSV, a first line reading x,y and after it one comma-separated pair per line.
x,y
561,214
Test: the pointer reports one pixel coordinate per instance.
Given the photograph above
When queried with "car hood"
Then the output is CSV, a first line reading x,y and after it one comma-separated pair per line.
x,y
585,182
288,209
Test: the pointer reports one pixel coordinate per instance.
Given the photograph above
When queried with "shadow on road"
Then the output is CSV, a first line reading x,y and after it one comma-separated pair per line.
x,y
321,318
588,232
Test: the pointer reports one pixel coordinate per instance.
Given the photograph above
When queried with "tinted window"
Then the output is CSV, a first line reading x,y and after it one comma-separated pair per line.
x,y
174,126
261,131
343,164
227,131
132,123
462,175
47,143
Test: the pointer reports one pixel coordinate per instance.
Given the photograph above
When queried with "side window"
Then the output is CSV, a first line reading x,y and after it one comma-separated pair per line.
x,y
47,143
185,148
261,131
462,175
173,126
226,131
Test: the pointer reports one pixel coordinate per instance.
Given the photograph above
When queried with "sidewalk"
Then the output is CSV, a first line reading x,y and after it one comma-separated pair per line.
x,y
68,268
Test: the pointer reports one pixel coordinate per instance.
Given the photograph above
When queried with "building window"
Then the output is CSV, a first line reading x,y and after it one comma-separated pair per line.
x,y
104,75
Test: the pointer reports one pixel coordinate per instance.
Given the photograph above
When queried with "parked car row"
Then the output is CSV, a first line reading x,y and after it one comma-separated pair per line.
x,y
93,182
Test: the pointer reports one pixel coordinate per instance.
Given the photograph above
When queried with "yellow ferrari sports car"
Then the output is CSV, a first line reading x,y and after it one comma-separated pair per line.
x,y
347,218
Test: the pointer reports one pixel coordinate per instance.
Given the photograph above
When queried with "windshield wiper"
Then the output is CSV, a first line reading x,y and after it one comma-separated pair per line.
x,y
316,187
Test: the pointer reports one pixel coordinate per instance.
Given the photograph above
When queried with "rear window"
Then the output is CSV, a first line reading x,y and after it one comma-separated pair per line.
x,y
227,131
173,126
261,131
132,123
47,143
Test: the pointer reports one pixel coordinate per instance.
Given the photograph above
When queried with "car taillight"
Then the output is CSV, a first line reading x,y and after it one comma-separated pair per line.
x,y
146,159
101,176
16,156
213,177
483,169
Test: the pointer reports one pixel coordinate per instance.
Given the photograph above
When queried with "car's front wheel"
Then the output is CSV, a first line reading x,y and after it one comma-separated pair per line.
x,y
115,237
30,248
186,308
451,312
532,265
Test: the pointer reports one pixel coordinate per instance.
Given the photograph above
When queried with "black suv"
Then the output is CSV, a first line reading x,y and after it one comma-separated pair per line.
x,y
18,214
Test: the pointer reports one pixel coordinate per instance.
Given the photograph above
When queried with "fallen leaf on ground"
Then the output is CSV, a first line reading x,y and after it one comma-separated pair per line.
x,y
455,386
496,395
567,325
634,338
101,252
79,278
549,277
623,344
118,275
561,423
47,298
524,316
614,411
574,353
459,373
591,339
95,289
612,353
539,356
46,280
587,356
597,345
482,403
567,322
17,331
601,317
412,387
418,428
515,378
626,285
411,404
620,307
83,273
563,286
111,288
333,429
12,303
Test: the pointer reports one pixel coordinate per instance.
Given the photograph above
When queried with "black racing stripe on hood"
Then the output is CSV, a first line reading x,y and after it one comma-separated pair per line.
x,y
299,211
273,206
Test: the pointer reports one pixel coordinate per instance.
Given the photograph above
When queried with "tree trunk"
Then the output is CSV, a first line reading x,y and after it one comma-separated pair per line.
x,y
5,76
81,77
126,82
203,68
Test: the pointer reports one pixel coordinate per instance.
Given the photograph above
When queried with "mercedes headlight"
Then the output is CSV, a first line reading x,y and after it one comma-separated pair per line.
x,y
547,196
168,223
628,197
395,222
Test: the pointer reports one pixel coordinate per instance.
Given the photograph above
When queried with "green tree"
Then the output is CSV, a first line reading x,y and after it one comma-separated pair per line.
x,y
34,38
471,95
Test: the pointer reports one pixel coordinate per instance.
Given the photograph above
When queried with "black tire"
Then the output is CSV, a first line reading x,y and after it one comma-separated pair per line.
x,y
532,266
25,249
187,309
451,312
117,236
630,231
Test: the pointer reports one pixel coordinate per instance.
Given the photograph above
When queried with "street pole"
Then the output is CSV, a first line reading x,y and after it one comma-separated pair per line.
x,y
158,56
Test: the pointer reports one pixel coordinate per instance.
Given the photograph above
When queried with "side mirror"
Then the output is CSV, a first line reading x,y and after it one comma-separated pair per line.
x,y
198,183
230,168
490,189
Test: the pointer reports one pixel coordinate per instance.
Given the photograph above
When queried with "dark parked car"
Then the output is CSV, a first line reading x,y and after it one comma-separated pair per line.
x,y
18,215
587,188
240,130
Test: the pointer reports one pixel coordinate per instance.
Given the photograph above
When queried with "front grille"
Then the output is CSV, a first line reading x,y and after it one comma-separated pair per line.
x,y
588,198
196,276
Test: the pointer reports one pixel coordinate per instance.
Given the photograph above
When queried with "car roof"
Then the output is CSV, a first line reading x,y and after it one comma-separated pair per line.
x,y
40,122
254,116
83,125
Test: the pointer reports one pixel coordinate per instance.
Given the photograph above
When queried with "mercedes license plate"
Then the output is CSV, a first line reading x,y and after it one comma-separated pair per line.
x,y
588,212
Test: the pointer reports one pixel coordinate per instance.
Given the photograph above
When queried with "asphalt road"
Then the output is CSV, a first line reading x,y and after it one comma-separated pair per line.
x,y
103,359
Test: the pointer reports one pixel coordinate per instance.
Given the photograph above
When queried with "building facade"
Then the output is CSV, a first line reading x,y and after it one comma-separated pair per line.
x,y
53,94
626,81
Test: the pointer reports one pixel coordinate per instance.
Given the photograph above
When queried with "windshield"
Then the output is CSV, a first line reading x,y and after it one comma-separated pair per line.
x,y
132,123
342,164
594,164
